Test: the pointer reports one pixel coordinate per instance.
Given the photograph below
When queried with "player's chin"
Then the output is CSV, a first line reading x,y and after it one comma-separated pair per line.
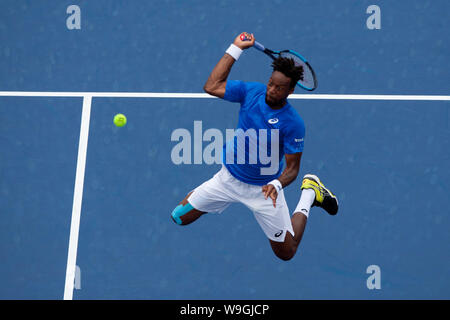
x,y
270,100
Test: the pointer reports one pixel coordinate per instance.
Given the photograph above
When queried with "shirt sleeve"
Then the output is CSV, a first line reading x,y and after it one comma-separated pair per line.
x,y
235,91
294,139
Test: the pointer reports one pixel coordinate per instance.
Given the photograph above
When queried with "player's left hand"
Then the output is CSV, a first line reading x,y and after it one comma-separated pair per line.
x,y
269,191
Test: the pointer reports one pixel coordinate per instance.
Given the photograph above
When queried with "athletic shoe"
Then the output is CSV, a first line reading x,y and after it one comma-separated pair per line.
x,y
324,198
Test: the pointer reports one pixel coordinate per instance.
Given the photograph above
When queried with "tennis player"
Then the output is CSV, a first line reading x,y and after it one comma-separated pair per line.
x,y
247,177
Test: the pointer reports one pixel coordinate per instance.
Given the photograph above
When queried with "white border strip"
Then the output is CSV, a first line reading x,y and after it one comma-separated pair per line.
x,y
77,199
205,95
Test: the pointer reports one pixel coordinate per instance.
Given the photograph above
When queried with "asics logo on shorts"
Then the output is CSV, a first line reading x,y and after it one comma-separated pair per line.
x,y
278,233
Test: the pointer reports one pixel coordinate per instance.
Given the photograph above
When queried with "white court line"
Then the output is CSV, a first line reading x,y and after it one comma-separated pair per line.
x,y
77,198
205,95
84,133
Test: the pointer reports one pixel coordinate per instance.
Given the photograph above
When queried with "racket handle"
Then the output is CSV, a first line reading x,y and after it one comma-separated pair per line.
x,y
259,46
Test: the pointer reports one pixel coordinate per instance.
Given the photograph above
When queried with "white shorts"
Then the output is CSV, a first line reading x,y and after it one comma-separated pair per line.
x,y
216,194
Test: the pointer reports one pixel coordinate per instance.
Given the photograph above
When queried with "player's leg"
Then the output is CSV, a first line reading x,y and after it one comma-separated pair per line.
x,y
211,196
283,232
185,213
287,249
314,193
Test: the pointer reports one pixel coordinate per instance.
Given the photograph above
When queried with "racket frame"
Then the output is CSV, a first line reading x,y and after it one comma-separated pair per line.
x,y
272,54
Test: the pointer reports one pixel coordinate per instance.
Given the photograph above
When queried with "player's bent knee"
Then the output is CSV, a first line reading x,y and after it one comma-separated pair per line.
x,y
180,211
285,254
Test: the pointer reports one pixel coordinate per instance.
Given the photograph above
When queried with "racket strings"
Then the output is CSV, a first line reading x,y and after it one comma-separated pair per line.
x,y
308,78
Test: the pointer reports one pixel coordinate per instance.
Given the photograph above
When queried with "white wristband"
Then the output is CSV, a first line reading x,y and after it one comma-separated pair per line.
x,y
234,51
277,184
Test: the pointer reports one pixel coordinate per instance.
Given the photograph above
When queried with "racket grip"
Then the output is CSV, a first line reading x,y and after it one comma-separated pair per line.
x,y
259,46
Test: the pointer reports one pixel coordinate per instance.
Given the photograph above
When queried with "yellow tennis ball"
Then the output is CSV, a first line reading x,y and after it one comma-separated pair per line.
x,y
120,120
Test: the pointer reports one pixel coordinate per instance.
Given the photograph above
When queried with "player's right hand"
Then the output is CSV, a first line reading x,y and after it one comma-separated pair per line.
x,y
269,191
244,44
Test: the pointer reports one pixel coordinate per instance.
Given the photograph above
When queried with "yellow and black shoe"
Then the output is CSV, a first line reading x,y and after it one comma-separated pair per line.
x,y
324,198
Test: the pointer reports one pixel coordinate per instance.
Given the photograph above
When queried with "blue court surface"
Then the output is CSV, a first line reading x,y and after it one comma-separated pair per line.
x,y
387,160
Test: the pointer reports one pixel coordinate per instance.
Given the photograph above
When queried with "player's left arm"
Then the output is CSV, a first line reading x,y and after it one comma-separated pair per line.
x,y
288,175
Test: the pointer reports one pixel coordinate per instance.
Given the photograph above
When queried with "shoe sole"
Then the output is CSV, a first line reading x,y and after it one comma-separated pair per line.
x,y
316,179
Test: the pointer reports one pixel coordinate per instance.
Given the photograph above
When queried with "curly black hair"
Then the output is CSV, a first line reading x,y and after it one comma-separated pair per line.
x,y
287,67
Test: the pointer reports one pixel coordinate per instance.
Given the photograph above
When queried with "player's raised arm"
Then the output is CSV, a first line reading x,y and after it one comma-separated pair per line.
x,y
217,81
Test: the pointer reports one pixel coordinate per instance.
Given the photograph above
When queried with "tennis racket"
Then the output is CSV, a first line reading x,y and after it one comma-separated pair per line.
x,y
309,81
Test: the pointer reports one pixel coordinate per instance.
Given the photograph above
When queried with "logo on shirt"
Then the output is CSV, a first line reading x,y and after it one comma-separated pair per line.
x,y
273,121
298,140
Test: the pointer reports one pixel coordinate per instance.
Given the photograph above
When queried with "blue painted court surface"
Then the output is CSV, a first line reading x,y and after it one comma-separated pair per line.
x,y
387,161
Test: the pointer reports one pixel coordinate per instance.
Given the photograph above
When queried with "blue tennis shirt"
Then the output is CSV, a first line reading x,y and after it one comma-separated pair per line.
x,y
255,153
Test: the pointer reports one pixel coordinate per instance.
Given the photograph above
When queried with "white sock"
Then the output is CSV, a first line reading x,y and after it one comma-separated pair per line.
x,y
306,201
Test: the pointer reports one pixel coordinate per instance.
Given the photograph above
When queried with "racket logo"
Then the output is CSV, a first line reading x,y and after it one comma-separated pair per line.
x,y
273,121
